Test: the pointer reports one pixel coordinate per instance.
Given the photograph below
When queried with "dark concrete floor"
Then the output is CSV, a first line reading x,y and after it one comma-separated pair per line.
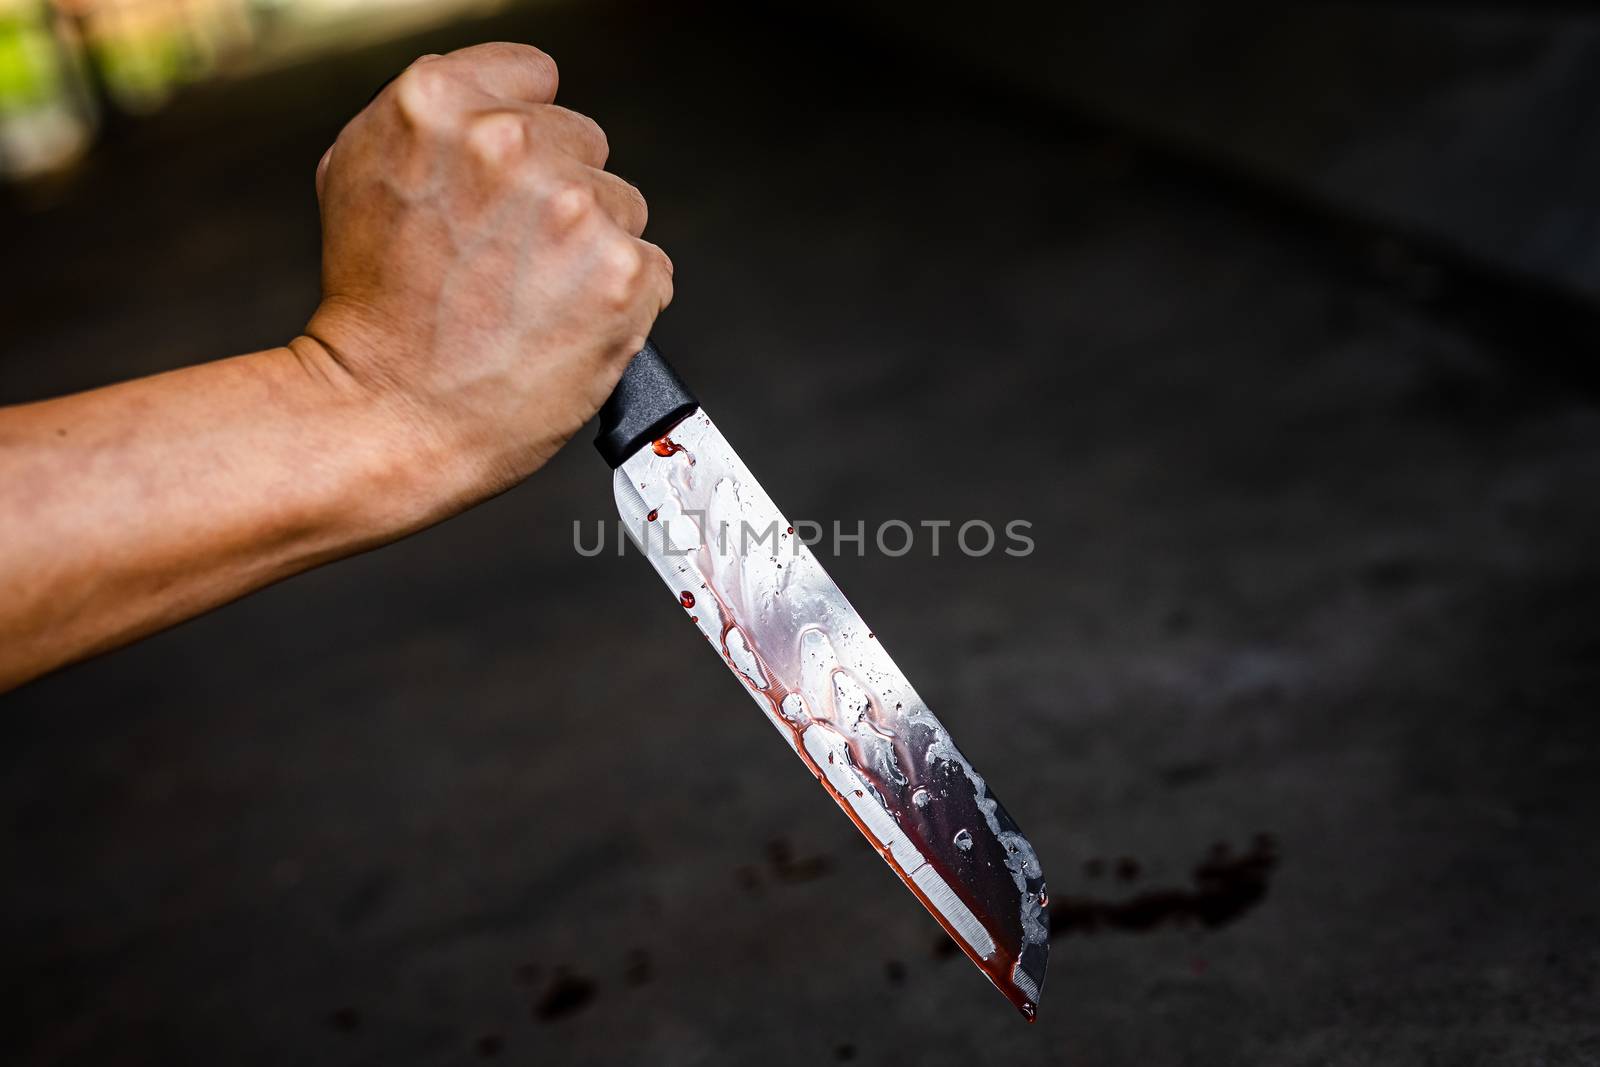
x,y
1314,584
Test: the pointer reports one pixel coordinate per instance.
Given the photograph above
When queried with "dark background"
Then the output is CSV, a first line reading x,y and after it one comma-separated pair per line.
x,y
1279,325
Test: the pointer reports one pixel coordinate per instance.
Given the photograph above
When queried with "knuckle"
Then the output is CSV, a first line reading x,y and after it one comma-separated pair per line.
x,y
623,271
496,138
625,261
421,93
569,203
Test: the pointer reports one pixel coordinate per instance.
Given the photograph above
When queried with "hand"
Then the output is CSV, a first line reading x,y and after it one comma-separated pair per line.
x,y
484,286
483,277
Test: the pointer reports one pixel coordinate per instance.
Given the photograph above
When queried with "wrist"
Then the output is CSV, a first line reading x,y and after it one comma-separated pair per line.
x,y
390,472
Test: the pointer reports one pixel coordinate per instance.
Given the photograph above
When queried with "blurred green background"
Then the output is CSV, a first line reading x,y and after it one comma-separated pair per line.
x,y
70,67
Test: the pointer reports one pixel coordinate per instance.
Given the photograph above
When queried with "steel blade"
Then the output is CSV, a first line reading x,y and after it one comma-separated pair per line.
x,y
824,680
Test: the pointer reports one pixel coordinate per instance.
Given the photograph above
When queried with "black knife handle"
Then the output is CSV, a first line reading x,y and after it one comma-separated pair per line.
x,y
648,401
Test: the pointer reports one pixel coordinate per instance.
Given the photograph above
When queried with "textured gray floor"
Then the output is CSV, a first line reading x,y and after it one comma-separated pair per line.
x,y
1312,604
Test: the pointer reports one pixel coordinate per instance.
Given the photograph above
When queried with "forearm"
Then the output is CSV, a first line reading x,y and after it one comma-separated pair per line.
x,y
484,283
133,507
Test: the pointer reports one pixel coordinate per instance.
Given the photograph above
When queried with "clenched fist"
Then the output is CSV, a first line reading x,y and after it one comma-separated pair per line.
x,y
483,277
483,287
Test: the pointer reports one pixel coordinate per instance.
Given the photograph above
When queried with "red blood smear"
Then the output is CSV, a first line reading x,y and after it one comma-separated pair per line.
x,y
666,446
686,598
1000,964
652,516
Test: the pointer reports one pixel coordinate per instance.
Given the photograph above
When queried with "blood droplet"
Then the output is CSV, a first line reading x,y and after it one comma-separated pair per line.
x,y
666,446
686,598
652,516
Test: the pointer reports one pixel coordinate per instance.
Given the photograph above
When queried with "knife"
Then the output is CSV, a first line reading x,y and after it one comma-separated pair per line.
x,y
822,676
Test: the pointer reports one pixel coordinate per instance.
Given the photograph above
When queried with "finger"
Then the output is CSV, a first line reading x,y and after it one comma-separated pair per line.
x,y
579,136
620,200
541,128
659,275
648,294
510,71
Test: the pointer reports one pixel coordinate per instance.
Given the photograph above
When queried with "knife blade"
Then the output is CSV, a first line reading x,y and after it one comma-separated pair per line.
x,y
786,631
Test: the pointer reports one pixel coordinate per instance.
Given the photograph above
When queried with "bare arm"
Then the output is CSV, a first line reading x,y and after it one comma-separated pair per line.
x,y
484,284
